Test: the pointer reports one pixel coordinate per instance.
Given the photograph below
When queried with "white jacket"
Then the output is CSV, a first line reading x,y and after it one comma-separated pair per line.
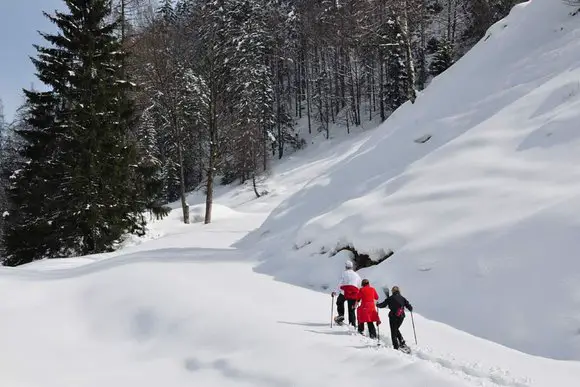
x,y
348,277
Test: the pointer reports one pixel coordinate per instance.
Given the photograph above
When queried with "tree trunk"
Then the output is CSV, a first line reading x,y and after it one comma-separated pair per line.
x,y
411,94
213,148
210,177
184,204
123,21
254,185
307,82
279,82
382,86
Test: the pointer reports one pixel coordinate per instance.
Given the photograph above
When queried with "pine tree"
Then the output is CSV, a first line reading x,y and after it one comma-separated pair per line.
x,y
442,60
397,77
166,11
251,82
74,194
150,179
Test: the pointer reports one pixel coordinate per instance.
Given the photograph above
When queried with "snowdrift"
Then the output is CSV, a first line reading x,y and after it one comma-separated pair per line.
x,y
483,216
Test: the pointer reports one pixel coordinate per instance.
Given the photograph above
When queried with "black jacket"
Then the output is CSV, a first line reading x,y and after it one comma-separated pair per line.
x,y
396,302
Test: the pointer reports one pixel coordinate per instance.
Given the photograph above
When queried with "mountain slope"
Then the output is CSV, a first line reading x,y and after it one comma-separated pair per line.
x,y
483,216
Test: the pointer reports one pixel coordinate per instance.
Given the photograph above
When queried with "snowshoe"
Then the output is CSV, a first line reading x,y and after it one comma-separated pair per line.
x,y
339,320
405,349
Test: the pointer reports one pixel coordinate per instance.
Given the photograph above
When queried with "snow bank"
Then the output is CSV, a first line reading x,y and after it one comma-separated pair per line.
x,y
483,216
219,212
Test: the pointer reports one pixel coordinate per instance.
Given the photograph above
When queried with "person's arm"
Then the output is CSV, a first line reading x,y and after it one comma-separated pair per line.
x,y
408,305
340,283
384,303
358,298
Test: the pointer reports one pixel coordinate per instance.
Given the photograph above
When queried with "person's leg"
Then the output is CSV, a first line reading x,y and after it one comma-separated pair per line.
x,y
340,305
361,328
394,332
372,330
351,312
399,335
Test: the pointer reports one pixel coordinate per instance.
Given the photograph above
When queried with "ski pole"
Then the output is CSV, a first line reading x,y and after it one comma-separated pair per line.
x,y
414,332
331,309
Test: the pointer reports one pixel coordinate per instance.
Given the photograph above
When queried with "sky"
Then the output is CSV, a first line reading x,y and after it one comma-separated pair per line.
x,y
20,21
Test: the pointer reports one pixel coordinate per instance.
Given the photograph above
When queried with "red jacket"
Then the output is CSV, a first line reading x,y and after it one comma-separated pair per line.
x,y
367,312
350,292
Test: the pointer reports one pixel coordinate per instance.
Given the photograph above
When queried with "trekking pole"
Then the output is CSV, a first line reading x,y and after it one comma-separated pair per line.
x,y
414,332
331,309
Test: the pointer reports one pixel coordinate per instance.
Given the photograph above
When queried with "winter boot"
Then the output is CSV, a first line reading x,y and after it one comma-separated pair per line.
x,y
404,348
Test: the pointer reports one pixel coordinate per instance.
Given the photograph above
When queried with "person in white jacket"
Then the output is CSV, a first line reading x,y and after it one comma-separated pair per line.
x,y
347,290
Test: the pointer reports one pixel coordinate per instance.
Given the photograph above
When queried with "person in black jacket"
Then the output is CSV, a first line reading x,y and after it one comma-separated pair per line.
x,y
397,304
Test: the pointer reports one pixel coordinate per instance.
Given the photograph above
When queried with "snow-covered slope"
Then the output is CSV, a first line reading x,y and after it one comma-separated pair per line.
x,y
481,219
204,318
484,217
186,309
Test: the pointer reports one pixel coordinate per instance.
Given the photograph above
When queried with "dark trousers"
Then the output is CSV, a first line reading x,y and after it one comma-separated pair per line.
x,y
372,330
396,336
351,312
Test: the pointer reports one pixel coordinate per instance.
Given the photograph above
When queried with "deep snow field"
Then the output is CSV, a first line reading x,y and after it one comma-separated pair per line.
x,y
482,219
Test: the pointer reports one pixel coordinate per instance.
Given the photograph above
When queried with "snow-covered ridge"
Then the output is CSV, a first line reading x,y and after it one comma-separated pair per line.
x,y
483,217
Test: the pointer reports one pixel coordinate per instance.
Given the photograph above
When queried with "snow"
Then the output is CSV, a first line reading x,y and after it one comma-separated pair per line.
x,y
481,218
171,332
218,212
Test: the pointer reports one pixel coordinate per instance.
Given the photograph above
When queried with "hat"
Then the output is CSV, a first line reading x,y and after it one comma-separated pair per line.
x,y
348,264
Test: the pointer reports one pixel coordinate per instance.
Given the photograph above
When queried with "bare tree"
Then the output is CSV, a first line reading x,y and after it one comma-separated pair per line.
x,y
160,55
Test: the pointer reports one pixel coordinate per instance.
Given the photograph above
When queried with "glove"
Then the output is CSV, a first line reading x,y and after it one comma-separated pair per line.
x,y
333,294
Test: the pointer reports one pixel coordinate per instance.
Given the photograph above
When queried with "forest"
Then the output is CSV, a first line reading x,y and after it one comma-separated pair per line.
x,y
147,101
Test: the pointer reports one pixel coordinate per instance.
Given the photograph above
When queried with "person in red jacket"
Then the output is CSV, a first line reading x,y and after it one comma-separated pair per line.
x,y
366,312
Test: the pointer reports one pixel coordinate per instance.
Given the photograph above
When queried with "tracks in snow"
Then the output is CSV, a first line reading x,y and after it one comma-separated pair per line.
x,y
475,373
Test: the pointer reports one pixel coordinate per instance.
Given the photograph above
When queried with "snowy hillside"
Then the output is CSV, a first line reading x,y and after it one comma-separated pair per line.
x,y
185,308
483,217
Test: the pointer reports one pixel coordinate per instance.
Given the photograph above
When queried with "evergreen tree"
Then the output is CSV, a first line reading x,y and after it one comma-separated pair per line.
x,y
149,178
251,83
167,12
397,77
75,192
442,60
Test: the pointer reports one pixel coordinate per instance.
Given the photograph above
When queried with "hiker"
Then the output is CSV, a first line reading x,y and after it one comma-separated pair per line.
x,y
397,304
366,312
347,288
